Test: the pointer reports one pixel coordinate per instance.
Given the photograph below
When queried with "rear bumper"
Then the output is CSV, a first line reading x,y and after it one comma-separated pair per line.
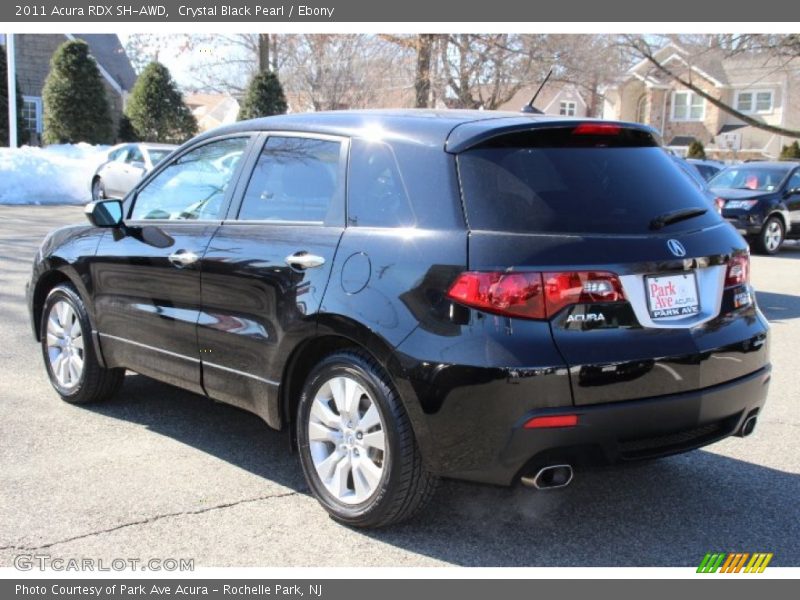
x,y
747,224
631,430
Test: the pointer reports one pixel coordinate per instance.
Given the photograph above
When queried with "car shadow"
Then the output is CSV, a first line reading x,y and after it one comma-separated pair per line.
x,y
778,307
653,513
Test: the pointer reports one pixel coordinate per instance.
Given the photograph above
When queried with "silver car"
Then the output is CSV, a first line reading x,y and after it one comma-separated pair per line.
x,y
125,166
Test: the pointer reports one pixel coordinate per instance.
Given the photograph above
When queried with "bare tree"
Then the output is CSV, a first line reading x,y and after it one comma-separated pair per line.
x,y
641,46
422,45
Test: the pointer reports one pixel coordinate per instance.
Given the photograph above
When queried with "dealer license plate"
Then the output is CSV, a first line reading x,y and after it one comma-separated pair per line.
x,y
672,296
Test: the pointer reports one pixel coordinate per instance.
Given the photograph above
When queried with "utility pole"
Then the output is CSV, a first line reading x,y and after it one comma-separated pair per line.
x,y
12,91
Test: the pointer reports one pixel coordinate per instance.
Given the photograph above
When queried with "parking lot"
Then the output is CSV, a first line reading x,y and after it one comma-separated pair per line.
x,y
159,472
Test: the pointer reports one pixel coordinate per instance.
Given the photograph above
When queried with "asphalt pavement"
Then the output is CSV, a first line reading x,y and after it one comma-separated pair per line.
x,y
162,473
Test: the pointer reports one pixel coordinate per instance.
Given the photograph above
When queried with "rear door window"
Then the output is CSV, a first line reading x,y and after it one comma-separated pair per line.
x,y
558,180
294,181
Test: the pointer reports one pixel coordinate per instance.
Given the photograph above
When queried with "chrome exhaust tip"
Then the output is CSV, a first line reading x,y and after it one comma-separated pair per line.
x,y
749,426
550,478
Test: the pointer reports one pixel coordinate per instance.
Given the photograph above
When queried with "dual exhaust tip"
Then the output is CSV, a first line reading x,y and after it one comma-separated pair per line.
x,y
560,476
549,478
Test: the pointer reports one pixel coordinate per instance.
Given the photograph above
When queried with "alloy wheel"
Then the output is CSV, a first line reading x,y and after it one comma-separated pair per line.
x,y
347,440
773,236
65,344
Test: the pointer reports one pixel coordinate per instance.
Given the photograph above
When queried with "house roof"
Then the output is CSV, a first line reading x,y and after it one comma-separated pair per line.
x,y
107,50
730,127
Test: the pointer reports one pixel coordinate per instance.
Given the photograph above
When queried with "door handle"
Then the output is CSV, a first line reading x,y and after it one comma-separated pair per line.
x,y
304,260
183,258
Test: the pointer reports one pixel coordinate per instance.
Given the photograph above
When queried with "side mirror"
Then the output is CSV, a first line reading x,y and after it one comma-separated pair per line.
x,y
138,165
104,213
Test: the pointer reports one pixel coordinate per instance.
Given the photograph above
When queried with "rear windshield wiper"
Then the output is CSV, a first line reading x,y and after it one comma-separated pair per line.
x,y
675,216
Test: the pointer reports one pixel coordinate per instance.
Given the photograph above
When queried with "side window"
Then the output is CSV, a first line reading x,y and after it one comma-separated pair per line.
x,y
119,155
294,180
794,181
135,155
376,193
194,185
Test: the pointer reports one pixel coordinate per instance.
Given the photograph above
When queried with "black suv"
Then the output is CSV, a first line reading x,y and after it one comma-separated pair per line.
x,y
417,294
762,201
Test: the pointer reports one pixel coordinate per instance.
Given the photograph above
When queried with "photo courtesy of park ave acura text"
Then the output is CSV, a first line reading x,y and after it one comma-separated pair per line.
x,y
413,299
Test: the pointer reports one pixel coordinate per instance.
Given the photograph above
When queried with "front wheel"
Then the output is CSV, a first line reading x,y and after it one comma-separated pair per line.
x,y
68,353
357,448
771,237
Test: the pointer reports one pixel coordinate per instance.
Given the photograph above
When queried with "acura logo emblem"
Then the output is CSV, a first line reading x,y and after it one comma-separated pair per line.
x,y
676,248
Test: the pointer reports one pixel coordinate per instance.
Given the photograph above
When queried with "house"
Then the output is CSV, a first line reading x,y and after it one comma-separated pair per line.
x,y
212,110
33,54
556,98
763,87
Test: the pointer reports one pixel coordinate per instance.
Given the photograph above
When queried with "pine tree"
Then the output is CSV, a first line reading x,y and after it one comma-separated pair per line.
x,y
696,150
791,152
263,98
22,134
125,131
156,109
76,107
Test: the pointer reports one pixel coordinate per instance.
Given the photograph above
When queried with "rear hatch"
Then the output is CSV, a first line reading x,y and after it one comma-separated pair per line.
x,y
592,227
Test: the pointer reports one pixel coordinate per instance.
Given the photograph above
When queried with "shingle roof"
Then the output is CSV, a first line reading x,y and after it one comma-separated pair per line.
x,y
109,53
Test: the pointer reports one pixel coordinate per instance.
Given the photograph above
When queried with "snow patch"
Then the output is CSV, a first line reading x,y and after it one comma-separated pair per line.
x,y
57,174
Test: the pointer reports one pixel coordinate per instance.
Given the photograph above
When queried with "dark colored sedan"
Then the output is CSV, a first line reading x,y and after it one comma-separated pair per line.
x,y
419,294
762,201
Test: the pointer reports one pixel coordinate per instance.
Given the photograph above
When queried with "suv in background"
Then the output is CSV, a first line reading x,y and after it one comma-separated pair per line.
x,y
419,294
762,201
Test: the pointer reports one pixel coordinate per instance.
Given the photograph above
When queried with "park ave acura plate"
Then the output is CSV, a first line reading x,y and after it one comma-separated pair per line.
x,y
671,296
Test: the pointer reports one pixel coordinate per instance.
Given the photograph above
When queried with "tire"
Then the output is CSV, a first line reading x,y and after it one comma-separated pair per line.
x,y
772,236
367,487
68,352
98,189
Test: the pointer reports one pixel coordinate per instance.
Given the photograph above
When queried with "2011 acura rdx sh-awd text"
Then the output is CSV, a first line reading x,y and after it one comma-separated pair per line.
x,y
419,294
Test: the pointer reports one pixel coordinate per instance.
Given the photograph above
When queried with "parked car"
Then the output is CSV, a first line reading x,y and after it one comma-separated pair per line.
x,y
124,168
762,201
419,294
706,168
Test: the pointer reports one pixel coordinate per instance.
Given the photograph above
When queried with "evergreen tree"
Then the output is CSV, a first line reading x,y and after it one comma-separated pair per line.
x,y
696,150
126,132
22,134
263,98
791,152
156,109
76,107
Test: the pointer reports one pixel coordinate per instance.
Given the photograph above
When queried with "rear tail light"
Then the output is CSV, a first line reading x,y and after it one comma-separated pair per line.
x,y
719,203
738,270
534,295
597,129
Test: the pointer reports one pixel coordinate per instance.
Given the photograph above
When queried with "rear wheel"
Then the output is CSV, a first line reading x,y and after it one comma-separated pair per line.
x,y
98,189
357,449
68,352
771,237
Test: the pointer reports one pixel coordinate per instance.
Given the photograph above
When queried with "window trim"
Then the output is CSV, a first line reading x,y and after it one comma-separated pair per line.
x,y
337,219
567,103
753,104
130,199
688,118
37,102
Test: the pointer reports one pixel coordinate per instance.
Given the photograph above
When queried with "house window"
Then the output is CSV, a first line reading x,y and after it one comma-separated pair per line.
x,y
754,101
32,113
688,106
567,108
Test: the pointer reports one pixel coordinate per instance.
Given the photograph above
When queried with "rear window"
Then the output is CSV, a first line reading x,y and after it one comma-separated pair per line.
x,y
558,181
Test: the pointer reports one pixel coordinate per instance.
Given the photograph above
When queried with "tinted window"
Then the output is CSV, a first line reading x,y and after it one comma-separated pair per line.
x,y
794,181
118,155
558,182
294,180
376,192
750,177
706,171
193,186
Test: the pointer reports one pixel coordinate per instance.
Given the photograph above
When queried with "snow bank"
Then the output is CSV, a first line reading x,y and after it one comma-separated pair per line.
x,y
58,174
